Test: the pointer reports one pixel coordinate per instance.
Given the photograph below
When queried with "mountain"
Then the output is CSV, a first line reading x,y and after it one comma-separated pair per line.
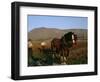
x,y
43,33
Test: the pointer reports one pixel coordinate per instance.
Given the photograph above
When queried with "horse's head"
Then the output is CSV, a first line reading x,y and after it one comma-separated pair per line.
x,y
70,39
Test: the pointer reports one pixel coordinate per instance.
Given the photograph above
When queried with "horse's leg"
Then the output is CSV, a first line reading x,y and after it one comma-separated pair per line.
x,y
64,52
67,54
62,56
53,53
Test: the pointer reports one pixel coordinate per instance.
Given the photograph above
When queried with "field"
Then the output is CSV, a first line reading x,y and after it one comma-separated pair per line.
x,y
78,55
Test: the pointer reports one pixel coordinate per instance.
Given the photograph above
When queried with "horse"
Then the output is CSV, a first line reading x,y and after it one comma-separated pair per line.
x,y
55,45
61,46
30,46
43,44
30,52
46,53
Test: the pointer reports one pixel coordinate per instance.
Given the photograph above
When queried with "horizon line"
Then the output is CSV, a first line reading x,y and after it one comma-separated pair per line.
x,y
55,28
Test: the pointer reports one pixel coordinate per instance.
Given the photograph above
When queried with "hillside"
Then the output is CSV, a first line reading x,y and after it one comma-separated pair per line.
x,y
81,33
42,33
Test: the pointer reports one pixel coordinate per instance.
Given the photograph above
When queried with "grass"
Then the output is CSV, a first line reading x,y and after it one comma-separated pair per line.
x,y
78,54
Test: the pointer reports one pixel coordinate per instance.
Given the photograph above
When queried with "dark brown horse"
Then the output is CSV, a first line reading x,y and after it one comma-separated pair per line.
x,y
56,45
61,46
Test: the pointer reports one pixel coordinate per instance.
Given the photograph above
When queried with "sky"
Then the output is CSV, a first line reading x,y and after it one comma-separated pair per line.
x,y
60,22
